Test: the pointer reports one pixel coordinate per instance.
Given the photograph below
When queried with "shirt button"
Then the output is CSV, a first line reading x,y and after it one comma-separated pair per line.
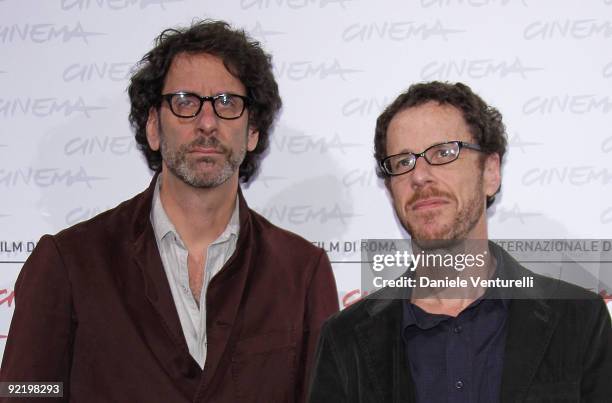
x,y
459,385
457,329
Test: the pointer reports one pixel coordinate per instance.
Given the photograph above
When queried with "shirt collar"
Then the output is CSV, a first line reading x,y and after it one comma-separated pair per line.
x,y
233,226
163,227
413,315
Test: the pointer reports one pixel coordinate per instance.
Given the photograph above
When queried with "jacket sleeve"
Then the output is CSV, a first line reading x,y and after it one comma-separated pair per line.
x,y
596,385
39,344
321,303
328,372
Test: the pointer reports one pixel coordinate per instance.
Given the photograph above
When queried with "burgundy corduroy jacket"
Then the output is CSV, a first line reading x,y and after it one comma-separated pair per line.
x,y
94,310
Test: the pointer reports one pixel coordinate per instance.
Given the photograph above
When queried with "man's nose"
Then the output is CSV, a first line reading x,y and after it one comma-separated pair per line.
x,y
421,174
207,120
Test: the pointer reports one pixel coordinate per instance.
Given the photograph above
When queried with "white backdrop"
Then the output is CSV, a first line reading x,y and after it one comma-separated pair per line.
x,y
66,150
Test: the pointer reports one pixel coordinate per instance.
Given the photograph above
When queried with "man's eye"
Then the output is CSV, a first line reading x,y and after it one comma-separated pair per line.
x,y
185,102
403,163
445,153
226,100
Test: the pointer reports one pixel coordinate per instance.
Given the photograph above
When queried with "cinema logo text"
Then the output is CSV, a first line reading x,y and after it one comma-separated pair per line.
x,y
97,71
44,107
46,177
42,33
307,213
576,176
606,145
81,5
78,214
470,3
475,68
397,31
360,177
302,143
607,70
606,216
119,145
504,214
258,31
268,180
301,70
516,141
364,106
291,4
577,104
17,246
572,29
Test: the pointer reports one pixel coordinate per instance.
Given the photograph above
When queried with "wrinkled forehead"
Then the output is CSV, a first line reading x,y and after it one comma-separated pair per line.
x,y
416,128
202,73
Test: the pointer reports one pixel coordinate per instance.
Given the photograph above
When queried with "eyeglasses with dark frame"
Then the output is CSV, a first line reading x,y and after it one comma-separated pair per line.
x,y
437,154
226,106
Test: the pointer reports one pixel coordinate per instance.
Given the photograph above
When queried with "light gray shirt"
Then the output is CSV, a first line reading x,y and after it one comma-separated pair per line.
x,y
174,259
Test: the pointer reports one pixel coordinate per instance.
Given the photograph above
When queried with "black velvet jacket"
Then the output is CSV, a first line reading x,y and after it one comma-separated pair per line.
x,y
557,350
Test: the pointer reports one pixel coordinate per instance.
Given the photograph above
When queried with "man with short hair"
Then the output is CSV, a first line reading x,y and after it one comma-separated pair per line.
x,y
181,294
440,147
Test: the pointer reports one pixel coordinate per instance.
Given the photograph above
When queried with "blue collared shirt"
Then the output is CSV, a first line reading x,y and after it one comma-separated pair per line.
x,y
456,359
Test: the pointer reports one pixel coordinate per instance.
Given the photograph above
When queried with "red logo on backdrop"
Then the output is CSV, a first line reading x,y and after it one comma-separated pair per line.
x,y
8,300
352,296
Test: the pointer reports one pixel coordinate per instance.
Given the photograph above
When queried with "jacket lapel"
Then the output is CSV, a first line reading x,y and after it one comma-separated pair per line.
x,y
383,351
156,285
224,296
531,324
146,294
157,292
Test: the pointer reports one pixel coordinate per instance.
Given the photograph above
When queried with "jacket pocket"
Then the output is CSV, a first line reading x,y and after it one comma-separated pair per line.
x,y
263,367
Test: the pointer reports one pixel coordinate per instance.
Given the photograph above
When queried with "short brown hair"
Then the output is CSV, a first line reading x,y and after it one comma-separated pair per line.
x,y
485,122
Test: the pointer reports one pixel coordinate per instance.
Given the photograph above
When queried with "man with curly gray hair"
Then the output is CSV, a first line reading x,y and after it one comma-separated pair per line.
x,y
183,293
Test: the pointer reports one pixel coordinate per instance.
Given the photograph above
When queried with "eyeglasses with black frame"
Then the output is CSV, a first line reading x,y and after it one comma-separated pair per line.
x,y
188,105
437,154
